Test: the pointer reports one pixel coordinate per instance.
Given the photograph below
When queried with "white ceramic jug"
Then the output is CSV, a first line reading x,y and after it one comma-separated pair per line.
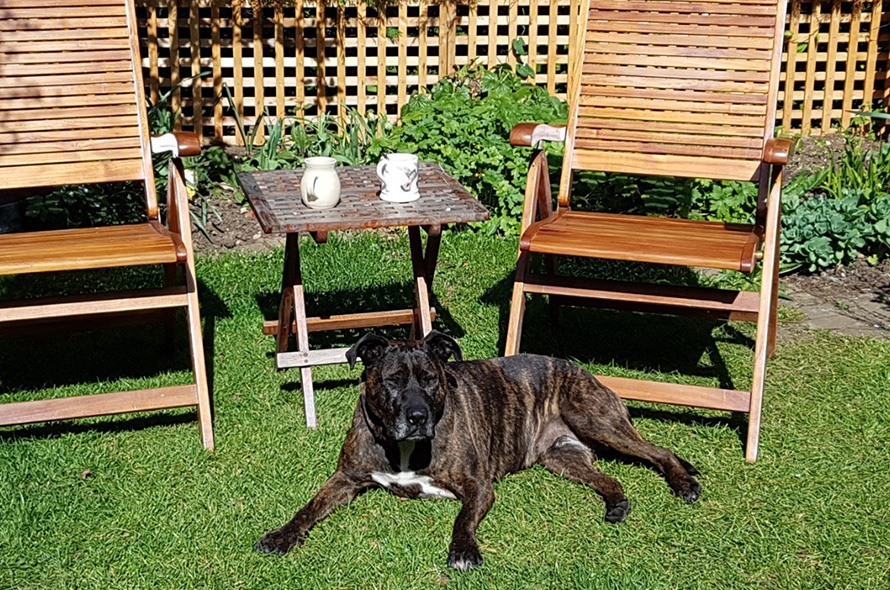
x,y
398,173
320,186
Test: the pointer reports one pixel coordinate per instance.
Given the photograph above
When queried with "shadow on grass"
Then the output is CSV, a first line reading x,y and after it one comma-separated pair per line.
x,y
86,350
629,340
122,423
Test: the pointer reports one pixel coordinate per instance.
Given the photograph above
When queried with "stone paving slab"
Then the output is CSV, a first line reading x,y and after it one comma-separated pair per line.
x,y
865,315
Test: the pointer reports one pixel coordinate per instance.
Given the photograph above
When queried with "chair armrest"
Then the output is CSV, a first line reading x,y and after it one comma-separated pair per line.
x,y
179,143
532,134
778,150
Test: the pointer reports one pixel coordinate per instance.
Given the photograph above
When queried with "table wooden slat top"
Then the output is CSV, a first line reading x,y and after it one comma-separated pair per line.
x,y
275,198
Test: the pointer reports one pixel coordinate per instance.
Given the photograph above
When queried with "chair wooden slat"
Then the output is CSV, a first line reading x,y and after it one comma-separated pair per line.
x,y
64,79
73,46
63,35
70,11
679,128
653,104
676,83
67,135
91,155
80,67
652,147
681,37
671,116
768,9
58,3
40,175
31,92
54,102
61,24
36,124
674,29
668,18
673,94
660,50
735,141
687,62
55,57
666,165
87,146
594,67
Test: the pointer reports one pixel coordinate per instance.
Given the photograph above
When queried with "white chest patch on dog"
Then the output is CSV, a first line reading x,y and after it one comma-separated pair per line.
x,y
409,478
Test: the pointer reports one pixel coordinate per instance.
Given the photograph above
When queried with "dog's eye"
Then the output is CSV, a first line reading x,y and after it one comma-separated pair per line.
x,y
391,383
429,380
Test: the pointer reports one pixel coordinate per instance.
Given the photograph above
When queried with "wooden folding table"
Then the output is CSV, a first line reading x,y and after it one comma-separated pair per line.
x,y
275,198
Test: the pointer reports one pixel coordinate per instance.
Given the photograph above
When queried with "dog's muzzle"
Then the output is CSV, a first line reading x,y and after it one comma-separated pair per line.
x,y
415,421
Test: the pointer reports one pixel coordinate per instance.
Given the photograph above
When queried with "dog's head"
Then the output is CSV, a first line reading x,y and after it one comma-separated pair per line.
x,y
404,383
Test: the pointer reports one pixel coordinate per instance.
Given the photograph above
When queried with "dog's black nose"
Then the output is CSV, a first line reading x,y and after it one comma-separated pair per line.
x,y
417,415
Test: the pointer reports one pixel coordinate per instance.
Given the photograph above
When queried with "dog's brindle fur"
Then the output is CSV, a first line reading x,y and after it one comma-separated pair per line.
x,y
485,419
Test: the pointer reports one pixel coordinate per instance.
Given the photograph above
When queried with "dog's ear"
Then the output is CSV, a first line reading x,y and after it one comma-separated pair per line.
x,y
443,346
369,348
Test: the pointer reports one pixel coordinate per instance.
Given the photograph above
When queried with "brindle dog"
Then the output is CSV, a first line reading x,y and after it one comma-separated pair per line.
x,y
425,427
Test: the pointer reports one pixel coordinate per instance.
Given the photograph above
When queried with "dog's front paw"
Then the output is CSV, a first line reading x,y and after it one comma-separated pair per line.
x,y
464,558
618,512
688,489
277,542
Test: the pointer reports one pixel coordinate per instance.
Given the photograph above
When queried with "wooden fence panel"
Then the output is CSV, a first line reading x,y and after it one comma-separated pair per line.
x,y
313,56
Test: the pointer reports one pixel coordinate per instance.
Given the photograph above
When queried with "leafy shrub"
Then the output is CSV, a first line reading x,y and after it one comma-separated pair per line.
x,y
464,123
823,232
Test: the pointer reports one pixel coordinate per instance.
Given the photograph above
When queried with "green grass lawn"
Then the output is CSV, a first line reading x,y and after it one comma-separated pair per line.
x,y
134,501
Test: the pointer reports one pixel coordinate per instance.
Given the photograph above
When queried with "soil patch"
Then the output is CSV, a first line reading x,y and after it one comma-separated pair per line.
x,y
236,227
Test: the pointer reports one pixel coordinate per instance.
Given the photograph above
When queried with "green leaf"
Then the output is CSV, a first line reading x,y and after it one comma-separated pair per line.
x,y
524,71
520,48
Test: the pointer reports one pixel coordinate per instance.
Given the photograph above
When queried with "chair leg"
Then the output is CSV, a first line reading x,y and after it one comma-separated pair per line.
x,y
765,315
774,316
199,368
517,307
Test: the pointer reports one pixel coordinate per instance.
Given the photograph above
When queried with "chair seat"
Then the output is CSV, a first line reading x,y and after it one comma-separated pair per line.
x,y
95,247
645,239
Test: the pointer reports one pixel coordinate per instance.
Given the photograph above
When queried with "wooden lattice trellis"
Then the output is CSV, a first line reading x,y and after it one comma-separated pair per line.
x,y
836,55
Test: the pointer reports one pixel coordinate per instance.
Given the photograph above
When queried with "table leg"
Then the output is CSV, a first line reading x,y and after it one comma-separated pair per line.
x,y
424,265
286,307
293,302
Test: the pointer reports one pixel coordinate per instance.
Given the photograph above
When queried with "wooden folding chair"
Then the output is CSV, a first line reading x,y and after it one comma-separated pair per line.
x,y
72,112
668,88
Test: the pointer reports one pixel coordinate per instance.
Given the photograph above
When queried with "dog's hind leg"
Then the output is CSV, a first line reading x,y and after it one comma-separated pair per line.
x,y
613,430
573,460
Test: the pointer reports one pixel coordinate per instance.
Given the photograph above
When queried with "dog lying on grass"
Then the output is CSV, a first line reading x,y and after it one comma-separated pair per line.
x,y
426,427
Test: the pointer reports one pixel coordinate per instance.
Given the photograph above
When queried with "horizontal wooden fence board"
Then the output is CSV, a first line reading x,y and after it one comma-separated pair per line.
x,y
302,60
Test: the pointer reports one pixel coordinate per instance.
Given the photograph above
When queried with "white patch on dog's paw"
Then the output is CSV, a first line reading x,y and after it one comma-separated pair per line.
x,y
462,565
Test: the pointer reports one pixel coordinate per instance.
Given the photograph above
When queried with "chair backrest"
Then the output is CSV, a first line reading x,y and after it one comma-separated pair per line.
x,y
71,95
674,87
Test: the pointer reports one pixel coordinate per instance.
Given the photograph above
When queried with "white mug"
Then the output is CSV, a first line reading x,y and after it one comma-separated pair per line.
x,y
398,173
320,185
